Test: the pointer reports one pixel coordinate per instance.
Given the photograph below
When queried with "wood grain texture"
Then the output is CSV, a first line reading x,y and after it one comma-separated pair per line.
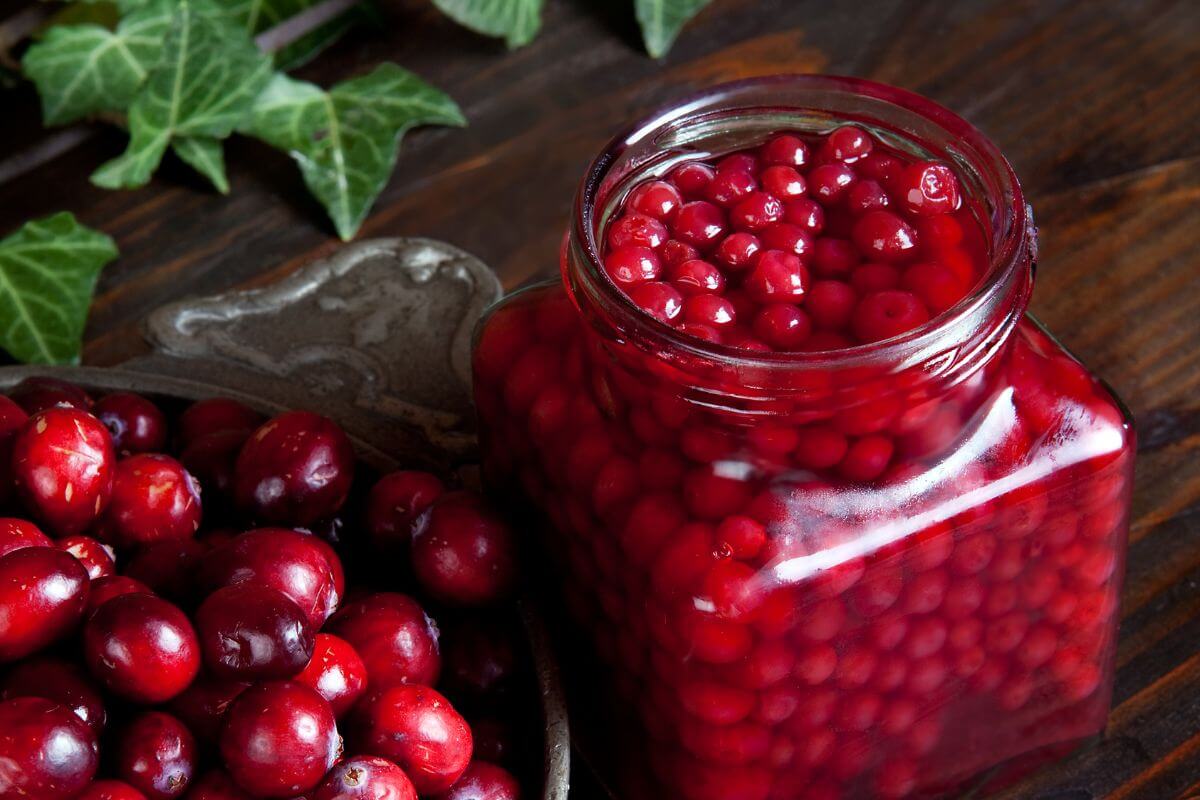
x,y
1097,104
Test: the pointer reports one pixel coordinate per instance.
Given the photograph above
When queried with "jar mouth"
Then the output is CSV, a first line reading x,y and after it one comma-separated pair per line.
x,y
900,117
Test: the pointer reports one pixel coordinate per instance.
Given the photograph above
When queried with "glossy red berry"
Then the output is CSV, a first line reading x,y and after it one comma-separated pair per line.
x,y
397,642
217,785
778,277
657,199
157,755
632,265
418,729
40,392
63,463
660,300
464,555
110,790
926,188
46,751
141,647
483,781
216,415
884,236
60,681
135,423
96,558
637,230
154,499
847,143
785,149
294,470
107,587
700,224
250,632
43,594
882,315
782,325
211,460
365,778
16,534
203,705
279,739
336,671
12,417
696,276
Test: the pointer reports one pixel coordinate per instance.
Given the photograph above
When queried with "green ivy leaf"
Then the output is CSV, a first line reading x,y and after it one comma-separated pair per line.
x,y
516,21
203,85
205,155
48,271
81,70
661,21
346,139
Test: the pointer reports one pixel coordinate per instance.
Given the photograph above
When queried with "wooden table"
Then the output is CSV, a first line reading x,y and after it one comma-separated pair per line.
x,y
1097,104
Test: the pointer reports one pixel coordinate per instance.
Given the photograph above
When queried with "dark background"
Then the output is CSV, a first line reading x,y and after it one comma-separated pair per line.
x,y
1097,104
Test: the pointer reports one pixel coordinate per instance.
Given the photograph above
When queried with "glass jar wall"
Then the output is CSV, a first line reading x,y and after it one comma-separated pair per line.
x,y
877,571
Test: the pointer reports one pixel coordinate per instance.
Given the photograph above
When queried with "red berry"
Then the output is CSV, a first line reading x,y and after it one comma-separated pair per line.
x,y
16,534
419,730
107,587
110,790
657,199
366,778
397,642
698,223
874,277
156,754
142,648
692,178
787,237
59,681
135,424
783,182
482,781
43,593
778,277
63,463
660,300
211,460
938,287
866,196
40,392
696,277
884,236
847,143
217,785
709,309
336,671
730,186
829,183
882,315
250,632
216,415
928,188
782,325
755,211
806,214
463,555
295,470
279,739
830,304
47,752
12,417
632,265
394,504
95,557
834,258
637,230
202,706
785,149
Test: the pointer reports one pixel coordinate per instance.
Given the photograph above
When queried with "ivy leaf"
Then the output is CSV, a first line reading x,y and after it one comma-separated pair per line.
x,y
205,155
48,271
81,70
203,85
661,21
517,21
346,139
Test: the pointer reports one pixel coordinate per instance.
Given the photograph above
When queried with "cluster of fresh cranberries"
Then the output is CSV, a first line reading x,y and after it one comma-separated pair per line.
x,y
801,244
219,653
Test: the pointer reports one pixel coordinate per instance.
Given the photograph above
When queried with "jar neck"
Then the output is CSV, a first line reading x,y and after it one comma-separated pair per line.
x,y
943,352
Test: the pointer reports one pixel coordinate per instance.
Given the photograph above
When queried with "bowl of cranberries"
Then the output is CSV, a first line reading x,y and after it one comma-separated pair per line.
x,y
199,600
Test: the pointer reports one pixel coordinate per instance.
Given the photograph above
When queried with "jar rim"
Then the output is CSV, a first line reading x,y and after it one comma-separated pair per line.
x,y
1012,234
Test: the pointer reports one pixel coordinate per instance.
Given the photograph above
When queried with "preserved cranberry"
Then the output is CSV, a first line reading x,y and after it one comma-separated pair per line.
x,y
297,564
365,778
154,499
484,781
250,632
394,504
95,557
59,681
336,671
216,415
110,790
418,729
37,393
135,423
16,534
141,647
47,751
202,706
279,739
12,417
850,524
43,594
107,587
217,785
156,755
396,640
294,470
63,463
463,555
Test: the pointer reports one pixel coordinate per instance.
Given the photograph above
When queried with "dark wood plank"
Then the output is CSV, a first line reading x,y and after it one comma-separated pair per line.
x,y
1097,104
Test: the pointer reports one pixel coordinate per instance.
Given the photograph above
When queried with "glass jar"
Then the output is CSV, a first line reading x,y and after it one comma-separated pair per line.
x,y
783,628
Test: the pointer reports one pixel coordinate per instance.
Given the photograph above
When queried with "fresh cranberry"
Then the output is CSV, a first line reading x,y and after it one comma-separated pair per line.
x,y
778,277
212,458
417,728
95,557
883,315
142,648
295,469
336,671
216,415
12,417
107,587
43,593
637,230
156,754
657,199
279,739
927,188
154,499
60,681
632,265
38,393
110,790
135,424
884,236
398,643
297,564
463,555
251,632
168,568
47,752
63,463
202,706
483,781
366,778
16,534
662,301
